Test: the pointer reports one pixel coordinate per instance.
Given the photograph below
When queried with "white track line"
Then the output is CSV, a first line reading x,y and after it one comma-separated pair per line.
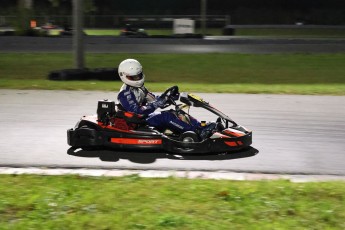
x,y
218,175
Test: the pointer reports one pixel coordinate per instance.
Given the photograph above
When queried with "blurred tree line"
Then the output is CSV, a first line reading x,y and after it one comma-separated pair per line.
x,y
240,11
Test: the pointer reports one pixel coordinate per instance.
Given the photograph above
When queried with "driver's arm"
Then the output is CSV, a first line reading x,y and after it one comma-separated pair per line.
x,y
129,103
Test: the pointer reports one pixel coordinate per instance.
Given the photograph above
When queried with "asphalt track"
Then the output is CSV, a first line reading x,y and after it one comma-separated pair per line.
x,y
293,134
214,44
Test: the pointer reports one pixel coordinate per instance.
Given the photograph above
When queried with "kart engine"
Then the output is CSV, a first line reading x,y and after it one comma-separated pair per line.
x,y
104,110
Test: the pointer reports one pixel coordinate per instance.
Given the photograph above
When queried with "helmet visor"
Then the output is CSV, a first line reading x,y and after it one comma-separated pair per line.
x,y
137,77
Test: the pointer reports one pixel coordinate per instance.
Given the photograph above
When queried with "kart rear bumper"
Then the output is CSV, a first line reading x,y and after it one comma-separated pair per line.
x,y
89,138
84,137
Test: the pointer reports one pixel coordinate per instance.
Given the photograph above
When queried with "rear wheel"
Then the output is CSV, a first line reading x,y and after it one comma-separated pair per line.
x,y
189,137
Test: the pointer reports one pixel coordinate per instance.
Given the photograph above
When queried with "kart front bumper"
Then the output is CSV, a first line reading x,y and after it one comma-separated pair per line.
x,y
219,145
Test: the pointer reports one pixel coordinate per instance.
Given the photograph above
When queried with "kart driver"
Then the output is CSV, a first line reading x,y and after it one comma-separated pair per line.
x,y
134,97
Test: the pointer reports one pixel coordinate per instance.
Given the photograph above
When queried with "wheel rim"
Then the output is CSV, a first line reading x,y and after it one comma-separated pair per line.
x,y
188,139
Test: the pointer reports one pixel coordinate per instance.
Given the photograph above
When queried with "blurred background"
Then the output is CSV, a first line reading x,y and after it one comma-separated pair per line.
x,y
151,14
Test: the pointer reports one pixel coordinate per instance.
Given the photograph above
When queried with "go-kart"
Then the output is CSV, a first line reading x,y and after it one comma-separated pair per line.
x,y
120,130
129,31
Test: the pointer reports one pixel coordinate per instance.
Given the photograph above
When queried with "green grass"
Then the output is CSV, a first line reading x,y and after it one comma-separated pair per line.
x,y
298,32
149,31
116,32
222,73
74,202
323,33
301,89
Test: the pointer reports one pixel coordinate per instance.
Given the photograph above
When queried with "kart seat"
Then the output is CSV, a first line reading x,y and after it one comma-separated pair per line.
x,y
128,121
131,117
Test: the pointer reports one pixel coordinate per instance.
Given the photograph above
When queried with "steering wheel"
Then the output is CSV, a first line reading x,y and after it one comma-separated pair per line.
x,y
172,94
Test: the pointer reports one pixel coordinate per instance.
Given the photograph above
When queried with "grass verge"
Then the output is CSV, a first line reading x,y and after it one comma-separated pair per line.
x,y
221,73
132,202
300,89
298,32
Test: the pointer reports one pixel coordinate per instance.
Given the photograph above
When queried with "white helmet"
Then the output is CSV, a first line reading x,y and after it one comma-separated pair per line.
x,y
131,73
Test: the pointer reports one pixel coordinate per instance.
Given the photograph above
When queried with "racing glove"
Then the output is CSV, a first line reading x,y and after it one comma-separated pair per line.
x,y
159,103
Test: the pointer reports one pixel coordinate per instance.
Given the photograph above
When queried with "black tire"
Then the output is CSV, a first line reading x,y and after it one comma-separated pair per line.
x,y
91,148
189,137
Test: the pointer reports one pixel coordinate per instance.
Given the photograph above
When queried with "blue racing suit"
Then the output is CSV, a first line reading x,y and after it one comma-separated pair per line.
x,y
141,101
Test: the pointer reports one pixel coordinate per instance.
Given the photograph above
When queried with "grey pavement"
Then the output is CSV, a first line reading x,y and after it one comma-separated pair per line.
x,y
294,134
214,44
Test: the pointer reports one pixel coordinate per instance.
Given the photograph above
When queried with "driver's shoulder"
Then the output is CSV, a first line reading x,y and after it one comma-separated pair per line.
x,y
126,90
124,87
